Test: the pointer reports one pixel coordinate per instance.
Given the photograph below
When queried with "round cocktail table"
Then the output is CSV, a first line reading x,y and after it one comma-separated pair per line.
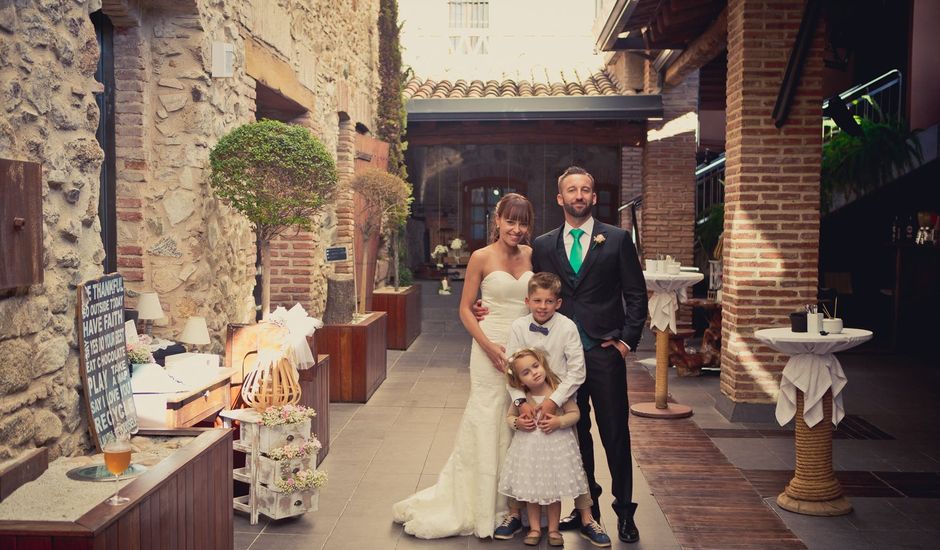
x,y
668,290
811,390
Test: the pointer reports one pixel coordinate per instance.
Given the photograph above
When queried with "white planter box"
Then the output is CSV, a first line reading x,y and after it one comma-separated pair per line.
x,y
273,437
271,470
277,505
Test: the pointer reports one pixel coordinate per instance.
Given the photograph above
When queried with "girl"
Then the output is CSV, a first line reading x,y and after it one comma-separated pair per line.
x,y
543,463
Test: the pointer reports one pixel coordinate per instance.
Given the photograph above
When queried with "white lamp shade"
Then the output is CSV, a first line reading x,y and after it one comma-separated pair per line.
x,y
148,306
195,332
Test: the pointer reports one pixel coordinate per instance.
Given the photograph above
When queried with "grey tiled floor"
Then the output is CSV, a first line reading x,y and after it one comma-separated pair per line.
x,y
397,443
385,450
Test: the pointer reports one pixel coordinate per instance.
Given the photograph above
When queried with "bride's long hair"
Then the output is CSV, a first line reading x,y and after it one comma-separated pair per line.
x,y
517,208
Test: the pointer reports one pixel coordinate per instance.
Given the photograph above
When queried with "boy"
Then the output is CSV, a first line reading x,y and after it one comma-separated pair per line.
x,y
558,337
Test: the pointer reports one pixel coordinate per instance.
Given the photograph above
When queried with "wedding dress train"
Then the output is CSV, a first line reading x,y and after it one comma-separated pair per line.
x,y
465,500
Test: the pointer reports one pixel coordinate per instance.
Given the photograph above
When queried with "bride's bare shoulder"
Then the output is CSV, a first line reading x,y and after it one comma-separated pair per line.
x,y
481,254
479,258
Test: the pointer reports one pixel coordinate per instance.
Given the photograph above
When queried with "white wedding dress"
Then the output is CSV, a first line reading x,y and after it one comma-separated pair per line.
x,y
465,500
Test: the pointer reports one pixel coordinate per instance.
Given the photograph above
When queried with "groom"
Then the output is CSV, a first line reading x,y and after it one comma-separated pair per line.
x,y
603,291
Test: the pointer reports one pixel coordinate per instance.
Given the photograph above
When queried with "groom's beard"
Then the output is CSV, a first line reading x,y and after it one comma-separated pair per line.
x,y
570,209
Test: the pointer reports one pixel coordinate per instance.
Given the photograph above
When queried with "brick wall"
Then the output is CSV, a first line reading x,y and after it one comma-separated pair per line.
x,y
669,172
772,193
132,174
345,169
631,181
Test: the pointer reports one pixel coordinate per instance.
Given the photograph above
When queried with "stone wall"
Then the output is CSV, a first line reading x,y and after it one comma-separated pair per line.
x,y
48,114
182,242
174,236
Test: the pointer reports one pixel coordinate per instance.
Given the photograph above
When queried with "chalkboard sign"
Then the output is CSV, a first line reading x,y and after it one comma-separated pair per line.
x,y
103,359
336,254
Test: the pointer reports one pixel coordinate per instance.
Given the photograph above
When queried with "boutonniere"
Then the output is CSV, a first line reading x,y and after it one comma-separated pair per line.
x,y
599,240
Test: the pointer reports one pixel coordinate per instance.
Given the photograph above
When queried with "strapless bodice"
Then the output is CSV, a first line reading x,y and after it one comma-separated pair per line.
x,y
504,295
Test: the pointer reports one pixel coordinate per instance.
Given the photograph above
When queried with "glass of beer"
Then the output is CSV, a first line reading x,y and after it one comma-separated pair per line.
x,y
117,458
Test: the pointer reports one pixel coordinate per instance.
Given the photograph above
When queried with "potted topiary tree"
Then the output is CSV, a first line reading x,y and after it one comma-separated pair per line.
x,y
403,305
278,175
386,198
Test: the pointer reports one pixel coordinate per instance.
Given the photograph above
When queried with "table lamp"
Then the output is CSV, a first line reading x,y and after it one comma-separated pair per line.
x,y
148,309
195,332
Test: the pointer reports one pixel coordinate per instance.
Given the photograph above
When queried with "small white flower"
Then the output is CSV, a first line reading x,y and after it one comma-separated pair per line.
x,y
599,239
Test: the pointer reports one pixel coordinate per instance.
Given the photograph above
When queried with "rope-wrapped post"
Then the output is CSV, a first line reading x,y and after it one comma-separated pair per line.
x,y
814,489
662,368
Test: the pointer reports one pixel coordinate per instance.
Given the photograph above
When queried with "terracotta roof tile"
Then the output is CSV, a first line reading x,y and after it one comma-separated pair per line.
x,y
599,83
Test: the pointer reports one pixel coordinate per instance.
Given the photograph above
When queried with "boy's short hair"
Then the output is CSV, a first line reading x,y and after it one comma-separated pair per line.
x,y
547,281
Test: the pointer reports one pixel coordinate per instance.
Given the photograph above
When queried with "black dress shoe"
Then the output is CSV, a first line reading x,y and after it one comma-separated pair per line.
x,y
627,531
572,521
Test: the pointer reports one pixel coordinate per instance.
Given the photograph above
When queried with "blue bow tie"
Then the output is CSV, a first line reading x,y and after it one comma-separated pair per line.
x,y
538,328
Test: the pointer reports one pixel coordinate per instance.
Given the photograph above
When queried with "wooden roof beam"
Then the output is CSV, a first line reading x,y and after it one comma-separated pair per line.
x,y
702,50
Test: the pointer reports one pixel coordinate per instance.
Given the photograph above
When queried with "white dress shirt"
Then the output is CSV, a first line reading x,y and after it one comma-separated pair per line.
x,y
562,345
588,227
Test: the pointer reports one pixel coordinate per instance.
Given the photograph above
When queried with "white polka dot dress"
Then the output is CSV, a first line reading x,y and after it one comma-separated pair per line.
x,y
543,468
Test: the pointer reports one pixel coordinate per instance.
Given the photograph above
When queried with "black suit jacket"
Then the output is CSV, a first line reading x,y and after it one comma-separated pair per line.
x,y
608,295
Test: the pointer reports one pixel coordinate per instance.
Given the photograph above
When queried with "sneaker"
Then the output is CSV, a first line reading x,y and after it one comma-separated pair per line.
x,y
595,533
508,528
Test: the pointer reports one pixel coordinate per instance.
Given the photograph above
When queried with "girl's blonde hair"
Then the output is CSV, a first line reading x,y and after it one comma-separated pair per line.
x,y
550,377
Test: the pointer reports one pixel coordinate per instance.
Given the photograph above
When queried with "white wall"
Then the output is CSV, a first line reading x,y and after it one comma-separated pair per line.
x,y
526,39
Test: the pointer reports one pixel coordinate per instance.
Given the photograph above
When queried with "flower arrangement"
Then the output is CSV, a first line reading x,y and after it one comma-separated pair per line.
x,y
139,352
286,414
302,480
290,452
438,254
457,245
444,290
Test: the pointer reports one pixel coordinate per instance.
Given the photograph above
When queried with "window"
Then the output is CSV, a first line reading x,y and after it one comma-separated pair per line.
x,y
469,23
107,205
479,200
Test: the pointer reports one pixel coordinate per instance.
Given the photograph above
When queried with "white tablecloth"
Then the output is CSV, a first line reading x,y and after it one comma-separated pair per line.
x,y
813,369
668,291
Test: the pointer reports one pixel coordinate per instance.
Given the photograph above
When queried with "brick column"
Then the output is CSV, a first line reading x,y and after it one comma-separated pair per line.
x,y
669,172
132,108
345,168
296,261
631,181
771,237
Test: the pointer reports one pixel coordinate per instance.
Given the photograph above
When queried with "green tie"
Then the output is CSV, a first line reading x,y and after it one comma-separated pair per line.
x,y
575,258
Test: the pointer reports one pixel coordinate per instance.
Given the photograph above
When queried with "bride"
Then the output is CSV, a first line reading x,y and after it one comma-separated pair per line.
x,y
465,500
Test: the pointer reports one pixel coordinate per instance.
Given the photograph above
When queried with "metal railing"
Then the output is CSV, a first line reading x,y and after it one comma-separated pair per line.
x,y
709,185
879,100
